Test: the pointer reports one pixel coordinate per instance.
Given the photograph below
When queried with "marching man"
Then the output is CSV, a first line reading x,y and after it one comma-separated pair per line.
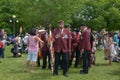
x,y
62,47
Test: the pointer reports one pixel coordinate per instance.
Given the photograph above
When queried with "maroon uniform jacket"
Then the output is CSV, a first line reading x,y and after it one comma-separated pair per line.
x,y
79,40
85,42
73,41
44,38
63,43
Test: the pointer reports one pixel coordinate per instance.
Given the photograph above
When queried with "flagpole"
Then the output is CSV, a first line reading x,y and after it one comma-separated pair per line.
x,y
50,41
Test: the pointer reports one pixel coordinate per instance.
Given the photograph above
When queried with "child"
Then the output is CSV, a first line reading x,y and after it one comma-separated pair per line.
x,y
1,47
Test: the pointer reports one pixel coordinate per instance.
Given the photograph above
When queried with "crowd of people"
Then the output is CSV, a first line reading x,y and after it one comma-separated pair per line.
x,y
60,46
80,44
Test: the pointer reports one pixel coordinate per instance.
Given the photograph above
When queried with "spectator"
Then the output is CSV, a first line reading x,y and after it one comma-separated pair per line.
x,y
1,47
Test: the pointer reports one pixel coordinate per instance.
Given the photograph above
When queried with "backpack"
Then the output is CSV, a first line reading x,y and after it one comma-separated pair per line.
x,y
1,44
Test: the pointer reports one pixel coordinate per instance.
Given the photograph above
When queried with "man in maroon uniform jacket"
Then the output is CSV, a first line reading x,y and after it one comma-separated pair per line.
x,y
62,47
45,49
73,45
85,48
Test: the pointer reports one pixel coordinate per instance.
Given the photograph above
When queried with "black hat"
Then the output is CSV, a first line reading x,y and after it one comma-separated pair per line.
x,y
76,29
83,25
68,26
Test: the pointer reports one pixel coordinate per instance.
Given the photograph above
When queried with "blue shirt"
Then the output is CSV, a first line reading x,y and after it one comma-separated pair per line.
x,y
116,38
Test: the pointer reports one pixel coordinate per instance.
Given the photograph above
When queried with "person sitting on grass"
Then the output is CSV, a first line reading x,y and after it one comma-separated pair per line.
x,y
17,48
33,48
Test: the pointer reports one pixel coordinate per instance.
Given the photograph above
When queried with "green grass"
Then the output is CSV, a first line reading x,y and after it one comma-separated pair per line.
x,y
12,69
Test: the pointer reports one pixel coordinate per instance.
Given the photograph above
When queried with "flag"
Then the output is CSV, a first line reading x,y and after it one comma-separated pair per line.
x,y
40,54
50,42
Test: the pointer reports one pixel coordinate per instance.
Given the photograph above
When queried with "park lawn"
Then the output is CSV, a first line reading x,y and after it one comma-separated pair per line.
x,y
12,69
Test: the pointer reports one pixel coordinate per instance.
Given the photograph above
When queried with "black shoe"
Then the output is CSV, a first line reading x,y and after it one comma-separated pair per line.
x,y
82,72
69,66
75,66
65,75
60,68
38,65
55,74
43,68
49,67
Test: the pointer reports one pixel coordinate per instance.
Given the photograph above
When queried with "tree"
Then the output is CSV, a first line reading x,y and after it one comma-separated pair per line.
x,y
95,13
112,16
100,14
5,10
43,12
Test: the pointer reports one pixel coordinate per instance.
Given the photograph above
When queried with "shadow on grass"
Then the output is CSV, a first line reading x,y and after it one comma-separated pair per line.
x,y
101,64
40,76
115,73
10,57
15,71
74,72
32,76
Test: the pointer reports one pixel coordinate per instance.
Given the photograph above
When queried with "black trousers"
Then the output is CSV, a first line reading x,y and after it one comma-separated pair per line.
x,y
38,61
45,55
86,63
64,62
77,57
71,60
1,52
75,54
